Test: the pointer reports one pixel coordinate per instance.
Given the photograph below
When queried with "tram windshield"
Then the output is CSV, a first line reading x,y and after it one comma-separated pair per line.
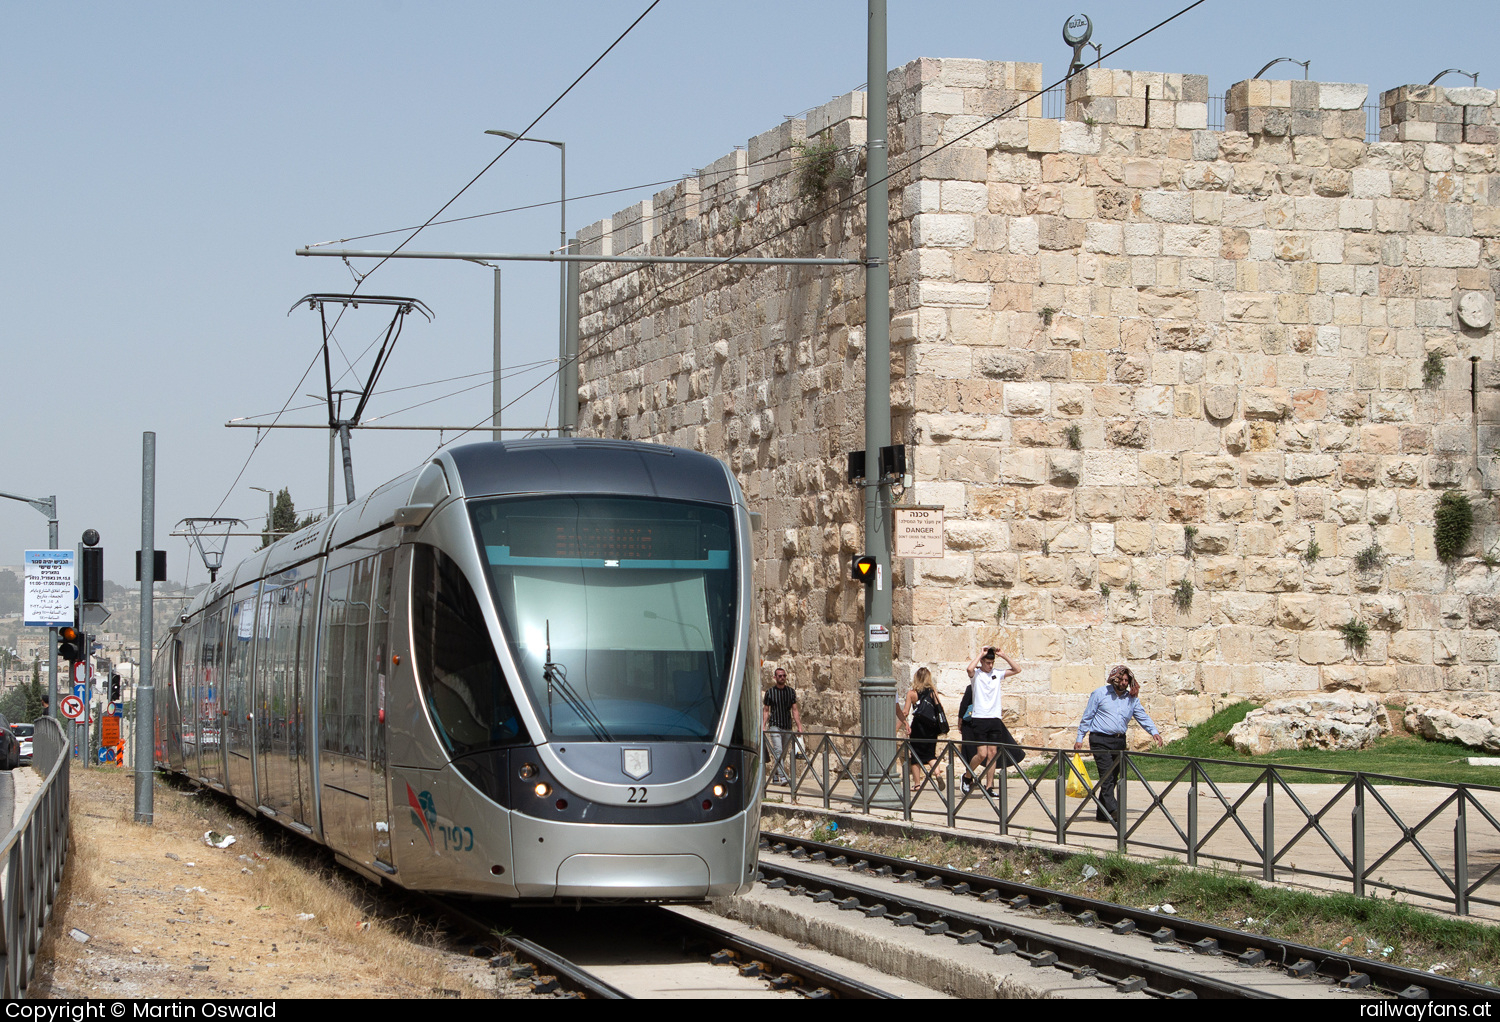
x,y
621,611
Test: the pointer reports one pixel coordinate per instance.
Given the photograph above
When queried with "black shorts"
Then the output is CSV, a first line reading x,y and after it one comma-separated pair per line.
x,y
988,730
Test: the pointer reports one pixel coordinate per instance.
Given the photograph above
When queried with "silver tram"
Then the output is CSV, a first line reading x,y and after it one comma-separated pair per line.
x,y
524,670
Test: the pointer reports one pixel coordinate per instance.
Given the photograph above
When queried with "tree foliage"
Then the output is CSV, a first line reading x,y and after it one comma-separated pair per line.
x,y
284,519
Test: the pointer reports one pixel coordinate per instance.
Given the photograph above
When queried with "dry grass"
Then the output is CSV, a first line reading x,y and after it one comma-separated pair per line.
x,y
270,916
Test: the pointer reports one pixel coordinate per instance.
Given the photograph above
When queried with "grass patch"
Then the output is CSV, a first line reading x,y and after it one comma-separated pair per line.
x,y
1337,922
1399,755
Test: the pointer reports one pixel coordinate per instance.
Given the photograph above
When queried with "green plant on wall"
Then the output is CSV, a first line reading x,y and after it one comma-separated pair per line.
x,y
1369,558
1182,594
818,166
1074,436
1189,533
1356,635
1453,525
1313,552
1432,369
1003,611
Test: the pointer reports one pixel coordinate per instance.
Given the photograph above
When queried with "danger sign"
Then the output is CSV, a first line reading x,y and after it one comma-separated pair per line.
x,y
919,532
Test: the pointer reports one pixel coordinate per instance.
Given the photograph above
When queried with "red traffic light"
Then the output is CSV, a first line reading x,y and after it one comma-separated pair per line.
x,y
863,569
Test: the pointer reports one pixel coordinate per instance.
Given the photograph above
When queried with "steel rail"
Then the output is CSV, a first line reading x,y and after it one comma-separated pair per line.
x,y
1127,973
838,984
574,975
1394,980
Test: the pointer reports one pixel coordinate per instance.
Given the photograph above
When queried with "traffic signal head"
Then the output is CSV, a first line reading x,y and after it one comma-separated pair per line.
x,y
69,644
863,569
114,688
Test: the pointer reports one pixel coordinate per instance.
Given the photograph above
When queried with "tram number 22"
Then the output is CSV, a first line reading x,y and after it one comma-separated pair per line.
x,y
637,795
457,838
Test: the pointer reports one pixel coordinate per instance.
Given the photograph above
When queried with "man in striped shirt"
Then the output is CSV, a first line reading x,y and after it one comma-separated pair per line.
x,y
778,715
1110,710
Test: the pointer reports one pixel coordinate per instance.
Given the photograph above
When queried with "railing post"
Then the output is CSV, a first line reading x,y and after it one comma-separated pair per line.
x,y
951,793
1192,848
1268,828
1121,800
827,777
1461,855
1358,823
906,792
1061,789
1002,803
866,790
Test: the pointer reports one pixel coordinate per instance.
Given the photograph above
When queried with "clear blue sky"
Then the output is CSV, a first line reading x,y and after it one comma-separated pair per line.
x,y
162,161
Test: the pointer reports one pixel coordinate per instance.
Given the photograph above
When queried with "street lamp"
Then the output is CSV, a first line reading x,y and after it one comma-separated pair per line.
x,y
270,536
562,268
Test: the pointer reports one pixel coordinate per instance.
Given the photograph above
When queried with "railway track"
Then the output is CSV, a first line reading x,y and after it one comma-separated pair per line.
x,y
1025,920
650,951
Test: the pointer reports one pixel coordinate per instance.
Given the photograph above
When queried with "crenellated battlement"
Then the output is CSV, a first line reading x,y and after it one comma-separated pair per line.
x,y
1292,108
1138,99
1432,113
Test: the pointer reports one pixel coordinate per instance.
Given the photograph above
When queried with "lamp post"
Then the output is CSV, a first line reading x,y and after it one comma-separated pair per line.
x,y
562,269
270,536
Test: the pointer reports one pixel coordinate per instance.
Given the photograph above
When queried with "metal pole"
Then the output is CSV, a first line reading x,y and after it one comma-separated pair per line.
x,y
330,473
348,463
567,398
52,632
145,694
498,403
565,257
877,689
562,290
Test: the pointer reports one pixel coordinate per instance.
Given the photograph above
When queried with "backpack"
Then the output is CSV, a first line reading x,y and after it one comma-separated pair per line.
x,y
930,712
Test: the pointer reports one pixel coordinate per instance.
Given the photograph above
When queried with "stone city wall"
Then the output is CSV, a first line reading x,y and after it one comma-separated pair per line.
x,y
1128,353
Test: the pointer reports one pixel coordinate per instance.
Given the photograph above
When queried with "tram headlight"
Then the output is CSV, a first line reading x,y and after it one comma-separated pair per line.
x,y
543,790
528,771
719,790
730,774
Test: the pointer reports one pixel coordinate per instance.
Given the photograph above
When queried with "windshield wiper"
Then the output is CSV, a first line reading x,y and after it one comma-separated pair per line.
x,y
556,677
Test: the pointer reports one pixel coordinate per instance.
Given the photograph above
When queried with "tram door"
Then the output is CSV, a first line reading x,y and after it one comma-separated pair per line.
x,y
209,695
380,669
272,757
236,711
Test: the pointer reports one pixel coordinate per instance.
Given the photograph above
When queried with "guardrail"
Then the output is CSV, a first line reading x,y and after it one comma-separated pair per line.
x,y
34,853
1373,832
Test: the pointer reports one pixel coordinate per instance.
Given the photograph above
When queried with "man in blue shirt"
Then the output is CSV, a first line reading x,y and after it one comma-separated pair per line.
x,y
1105,718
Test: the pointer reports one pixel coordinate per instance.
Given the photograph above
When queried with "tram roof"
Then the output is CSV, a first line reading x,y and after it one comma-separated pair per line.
x,y
591,466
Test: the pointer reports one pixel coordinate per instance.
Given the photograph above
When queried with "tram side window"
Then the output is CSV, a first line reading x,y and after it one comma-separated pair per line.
x,y
356,644
456,664
335,615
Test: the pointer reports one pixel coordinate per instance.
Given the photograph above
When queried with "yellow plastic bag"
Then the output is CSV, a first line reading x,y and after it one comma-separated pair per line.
x,y
1078,783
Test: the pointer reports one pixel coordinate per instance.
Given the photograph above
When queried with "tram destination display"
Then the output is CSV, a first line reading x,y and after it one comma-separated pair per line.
x,y
597,539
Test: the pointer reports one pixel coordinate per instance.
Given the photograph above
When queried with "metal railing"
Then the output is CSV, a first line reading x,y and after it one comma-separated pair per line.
x,y
1372,832
34,853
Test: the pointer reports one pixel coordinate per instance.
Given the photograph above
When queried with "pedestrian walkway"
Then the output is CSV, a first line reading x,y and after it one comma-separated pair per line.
x,y
1432,845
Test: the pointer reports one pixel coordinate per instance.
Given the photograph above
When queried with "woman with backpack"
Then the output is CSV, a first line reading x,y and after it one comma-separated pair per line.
x,y
923,721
